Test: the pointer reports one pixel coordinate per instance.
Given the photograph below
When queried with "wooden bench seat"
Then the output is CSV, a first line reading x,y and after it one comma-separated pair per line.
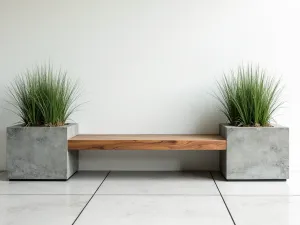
x,y
147,142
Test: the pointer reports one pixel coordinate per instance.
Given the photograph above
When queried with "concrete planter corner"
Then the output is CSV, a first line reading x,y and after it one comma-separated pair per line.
x,y
40,153
255,153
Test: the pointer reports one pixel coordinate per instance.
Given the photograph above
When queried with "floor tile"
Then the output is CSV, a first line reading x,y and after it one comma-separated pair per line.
x,y
264,210
289,187
40,209
178,183
80,183
155,210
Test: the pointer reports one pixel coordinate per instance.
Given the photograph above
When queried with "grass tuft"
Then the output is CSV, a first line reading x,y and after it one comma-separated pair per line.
x,y
43,97
249,97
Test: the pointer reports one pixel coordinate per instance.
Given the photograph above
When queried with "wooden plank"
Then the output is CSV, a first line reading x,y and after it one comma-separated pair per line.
x,y
147,142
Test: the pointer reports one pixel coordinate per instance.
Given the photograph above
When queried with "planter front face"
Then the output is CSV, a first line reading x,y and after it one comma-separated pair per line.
x,y
40,152
255,153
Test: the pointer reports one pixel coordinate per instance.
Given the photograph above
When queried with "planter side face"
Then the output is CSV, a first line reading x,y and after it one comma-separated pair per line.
x,y
40,152
255,153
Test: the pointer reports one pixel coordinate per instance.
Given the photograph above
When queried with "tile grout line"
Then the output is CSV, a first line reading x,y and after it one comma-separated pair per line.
x,y
90,198
223,198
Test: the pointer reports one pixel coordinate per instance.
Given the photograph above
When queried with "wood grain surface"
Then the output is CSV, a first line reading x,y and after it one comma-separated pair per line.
x,y
147,142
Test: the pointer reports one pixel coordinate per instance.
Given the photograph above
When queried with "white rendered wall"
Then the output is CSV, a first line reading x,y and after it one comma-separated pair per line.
x,y
149,66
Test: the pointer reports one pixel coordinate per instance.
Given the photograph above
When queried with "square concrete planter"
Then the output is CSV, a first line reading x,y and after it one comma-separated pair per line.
x,y
40,153
255,153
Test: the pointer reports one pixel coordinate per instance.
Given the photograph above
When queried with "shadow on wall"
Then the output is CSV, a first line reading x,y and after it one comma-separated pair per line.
x,y
149,160
207,121
210,120
204,112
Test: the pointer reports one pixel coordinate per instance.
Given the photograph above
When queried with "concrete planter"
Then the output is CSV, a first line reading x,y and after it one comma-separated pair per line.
x,y
40,153
255,153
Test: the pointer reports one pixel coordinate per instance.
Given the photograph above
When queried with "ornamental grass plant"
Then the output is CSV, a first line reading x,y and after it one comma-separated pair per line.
x,y
249,97
43,97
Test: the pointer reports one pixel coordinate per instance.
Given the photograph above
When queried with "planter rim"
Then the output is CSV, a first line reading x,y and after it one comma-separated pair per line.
x,y
35,127
274,126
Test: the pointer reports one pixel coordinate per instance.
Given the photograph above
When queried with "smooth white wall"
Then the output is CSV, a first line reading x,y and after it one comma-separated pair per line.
x,y
150,66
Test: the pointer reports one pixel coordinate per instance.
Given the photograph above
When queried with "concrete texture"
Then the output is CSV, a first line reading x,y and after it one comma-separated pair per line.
x,y
40,152
255,153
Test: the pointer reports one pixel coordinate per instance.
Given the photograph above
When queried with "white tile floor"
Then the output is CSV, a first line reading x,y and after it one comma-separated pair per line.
x,y
146,198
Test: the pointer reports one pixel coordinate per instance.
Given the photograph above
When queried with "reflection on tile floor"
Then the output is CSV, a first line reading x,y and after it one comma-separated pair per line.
x,y
164,198
155,209
164,183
